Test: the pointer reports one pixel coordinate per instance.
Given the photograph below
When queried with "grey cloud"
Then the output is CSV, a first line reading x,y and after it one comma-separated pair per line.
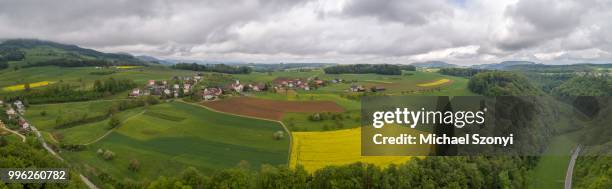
x,y
345,31
120,22
536,21
408,12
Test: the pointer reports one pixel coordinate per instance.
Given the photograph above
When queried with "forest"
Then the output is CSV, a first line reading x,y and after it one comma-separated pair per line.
x,y
460,72
498,83
383,69
220,68
63,92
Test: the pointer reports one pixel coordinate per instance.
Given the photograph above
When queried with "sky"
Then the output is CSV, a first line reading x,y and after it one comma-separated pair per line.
x,y
463,32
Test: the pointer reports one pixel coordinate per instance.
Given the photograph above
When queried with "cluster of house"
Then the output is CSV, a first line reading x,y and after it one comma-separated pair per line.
x,y
283,84
12,113
163,88
213,93
360,88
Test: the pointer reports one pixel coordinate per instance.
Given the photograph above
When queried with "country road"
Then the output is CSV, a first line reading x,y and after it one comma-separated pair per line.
x,y
52,152
570,168
2,126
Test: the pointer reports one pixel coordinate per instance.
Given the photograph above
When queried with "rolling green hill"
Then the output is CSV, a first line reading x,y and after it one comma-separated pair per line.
x,y
32,53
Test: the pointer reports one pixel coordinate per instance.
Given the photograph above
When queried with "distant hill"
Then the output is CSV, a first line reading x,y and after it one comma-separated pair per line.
x,y
502,65
571,68
155,60
33,52
434,64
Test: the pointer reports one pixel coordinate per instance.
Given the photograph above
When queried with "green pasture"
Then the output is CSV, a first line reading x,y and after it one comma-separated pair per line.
x,y
66,110
82,77
177,135
83,134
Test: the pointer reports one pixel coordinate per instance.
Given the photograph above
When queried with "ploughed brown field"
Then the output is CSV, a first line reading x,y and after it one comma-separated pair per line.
x,y
270,109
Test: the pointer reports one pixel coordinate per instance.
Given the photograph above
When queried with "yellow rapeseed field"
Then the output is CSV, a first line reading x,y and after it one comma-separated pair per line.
x,y
315,150
22,86
127,67
435,83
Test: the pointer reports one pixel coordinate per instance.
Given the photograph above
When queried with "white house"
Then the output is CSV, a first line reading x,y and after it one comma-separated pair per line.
x,y
237,86
11,113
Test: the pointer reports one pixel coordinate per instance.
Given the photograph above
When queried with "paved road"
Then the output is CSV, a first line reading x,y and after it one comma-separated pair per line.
x,y
570,168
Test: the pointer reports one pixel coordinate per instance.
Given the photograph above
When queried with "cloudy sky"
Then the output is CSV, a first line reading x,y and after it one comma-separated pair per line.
x,y
342,31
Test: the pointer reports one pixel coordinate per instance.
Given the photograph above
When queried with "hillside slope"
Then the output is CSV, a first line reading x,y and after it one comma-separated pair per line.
x,y
32,53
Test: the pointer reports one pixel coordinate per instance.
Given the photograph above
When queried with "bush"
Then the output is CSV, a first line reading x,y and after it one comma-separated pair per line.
x,y
134,165
279,135
114,121
108,155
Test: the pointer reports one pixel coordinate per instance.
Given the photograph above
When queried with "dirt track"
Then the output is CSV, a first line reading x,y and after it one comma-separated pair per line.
x,y
270,109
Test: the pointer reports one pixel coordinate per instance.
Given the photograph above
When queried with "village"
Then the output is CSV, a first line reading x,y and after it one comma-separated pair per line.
x,y
179,87
13,112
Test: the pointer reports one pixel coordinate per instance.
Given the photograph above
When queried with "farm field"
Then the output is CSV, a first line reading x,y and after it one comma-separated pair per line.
x,y
82,77
20,87
315,150
86,133
406,84
47,121
434,83
179,135
270,109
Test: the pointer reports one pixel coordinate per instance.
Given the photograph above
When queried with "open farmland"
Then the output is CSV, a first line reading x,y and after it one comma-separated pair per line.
x,y
22,86
82,76
315,150
435,83
179,135
270,109
45,116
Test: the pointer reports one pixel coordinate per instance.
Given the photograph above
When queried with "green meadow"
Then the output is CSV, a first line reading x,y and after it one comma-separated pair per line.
x,y
169,137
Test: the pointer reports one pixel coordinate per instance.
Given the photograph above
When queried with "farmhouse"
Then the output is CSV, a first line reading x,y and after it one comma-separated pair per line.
x,y
186,88
11,113
211,93
20,107
24,124
319,82
237,86
257,87
151,82
135,93
356,88
281,83
377,89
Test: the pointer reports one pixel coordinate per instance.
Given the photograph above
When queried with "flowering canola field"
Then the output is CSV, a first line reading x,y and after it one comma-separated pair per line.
x,y
434,83
315,150
127,67
22,86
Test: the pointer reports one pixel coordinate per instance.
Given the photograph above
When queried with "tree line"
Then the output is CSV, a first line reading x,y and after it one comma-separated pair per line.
x,y
63,92
17,154
9,54
499,83
220,68
429,172
460,72
383,69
